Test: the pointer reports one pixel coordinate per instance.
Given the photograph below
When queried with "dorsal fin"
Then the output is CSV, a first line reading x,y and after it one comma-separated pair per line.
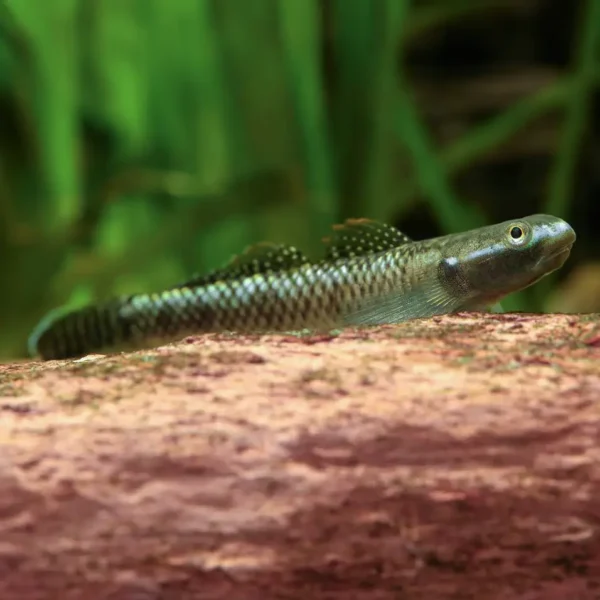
x,y
357,237
263,257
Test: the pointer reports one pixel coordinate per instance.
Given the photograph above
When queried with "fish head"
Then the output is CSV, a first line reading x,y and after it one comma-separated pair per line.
x,y
507,257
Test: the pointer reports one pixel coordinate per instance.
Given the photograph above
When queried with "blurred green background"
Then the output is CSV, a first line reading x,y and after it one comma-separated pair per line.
x,y
142,141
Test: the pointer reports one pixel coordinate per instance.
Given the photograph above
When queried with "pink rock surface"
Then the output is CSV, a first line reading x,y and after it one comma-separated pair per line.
x,y
452,458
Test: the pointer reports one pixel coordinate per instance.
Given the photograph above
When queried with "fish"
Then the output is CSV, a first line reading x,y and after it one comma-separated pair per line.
x,y
370,274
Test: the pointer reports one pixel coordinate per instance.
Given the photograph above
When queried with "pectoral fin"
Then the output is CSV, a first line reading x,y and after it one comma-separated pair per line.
x,y
497,308
430,297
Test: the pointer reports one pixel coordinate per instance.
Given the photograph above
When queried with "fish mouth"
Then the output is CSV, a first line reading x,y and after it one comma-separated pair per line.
x,y
551,263
558,258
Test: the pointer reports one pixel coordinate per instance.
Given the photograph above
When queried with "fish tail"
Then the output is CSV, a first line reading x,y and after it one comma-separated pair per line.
x,y
123,323
64,334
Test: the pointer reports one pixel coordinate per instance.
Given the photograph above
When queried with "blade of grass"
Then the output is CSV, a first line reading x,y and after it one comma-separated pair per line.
x,y
578,105
380,145
115,72
577,112
451,214
474,145
250,33
353,40
300,25
216,146
53,97
426,18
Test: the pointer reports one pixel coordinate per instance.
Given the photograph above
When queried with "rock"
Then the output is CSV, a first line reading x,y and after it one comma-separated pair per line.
x,y
457,457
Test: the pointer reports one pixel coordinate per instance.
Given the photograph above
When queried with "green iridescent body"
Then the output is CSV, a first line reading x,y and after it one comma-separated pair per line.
x,y
371,274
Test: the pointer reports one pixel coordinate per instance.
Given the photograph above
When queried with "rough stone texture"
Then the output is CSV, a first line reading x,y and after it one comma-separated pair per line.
x,y
452,458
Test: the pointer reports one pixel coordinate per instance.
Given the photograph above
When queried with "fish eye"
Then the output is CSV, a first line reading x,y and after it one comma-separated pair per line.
x,y
516,233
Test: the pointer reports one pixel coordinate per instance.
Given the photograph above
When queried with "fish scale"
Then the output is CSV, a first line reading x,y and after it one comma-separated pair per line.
x,y
276,288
